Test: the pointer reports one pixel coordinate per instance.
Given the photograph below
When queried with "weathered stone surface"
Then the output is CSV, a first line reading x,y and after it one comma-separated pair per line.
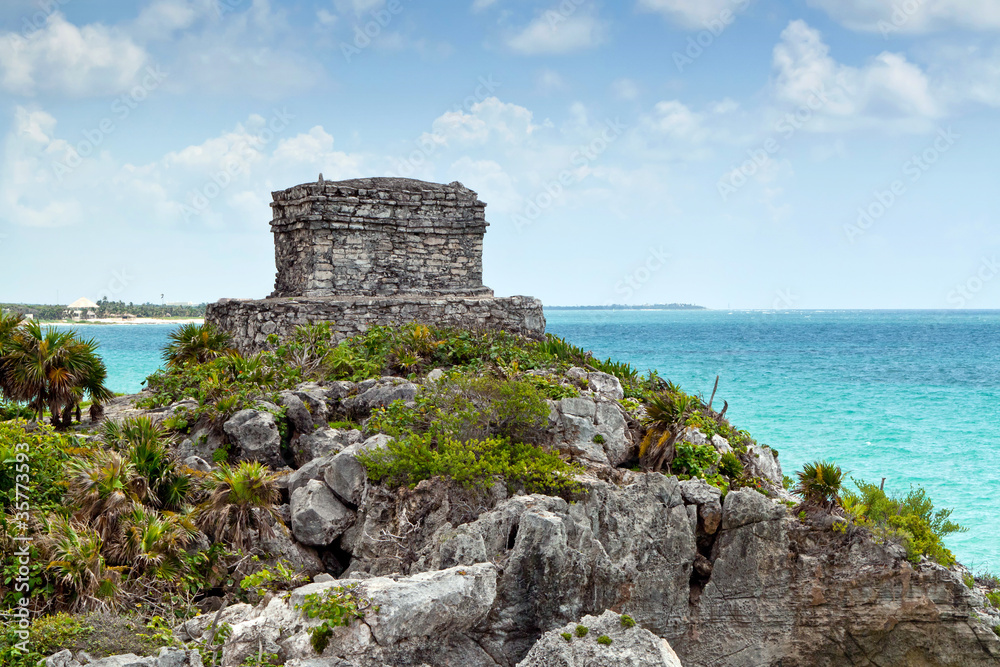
x,y
763,463
606,385
296,411
323,442
590,428
721,444
411,620
376,251
194,628
282,547
318,518
629,647
346,477
197,464
381,395
311,470
708,500
256,435
174,657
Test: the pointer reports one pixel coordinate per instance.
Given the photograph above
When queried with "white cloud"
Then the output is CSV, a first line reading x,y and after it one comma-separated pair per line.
x,y
554,32
486,120
625,89
480,5
889,87
912,16
160,19
694,13
676,120
549,81
61,58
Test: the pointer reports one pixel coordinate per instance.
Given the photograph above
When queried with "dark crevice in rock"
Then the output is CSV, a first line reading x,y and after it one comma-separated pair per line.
x,y
701,571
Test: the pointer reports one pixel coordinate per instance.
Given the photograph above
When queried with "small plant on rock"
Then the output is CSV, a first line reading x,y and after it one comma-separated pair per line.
x,y
627,621
567,636
337,607
604,640
582,630
820,483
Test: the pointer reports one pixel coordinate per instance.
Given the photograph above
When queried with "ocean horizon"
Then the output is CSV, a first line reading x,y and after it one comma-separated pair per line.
x,y
909,395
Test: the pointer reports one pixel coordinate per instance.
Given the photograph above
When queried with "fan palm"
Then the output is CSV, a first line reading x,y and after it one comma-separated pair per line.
x,y
667,413
820,483
239,501
79,565
152,541
53,369
105,486
196,343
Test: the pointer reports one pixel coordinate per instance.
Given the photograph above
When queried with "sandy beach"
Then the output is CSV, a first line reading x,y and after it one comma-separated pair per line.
x,y
120,321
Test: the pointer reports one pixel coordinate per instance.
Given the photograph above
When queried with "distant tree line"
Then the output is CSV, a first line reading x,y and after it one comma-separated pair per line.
x,y
106,308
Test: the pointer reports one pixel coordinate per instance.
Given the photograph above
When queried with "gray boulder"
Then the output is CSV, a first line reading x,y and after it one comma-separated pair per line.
x,y
764,464
627,646
323,442
318,518
197,464
194,629
256,435
311,470
380,395
346,477
281,547
591,429
175,657
297,412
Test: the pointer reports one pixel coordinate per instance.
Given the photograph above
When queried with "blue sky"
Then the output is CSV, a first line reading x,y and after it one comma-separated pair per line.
x,y
752,154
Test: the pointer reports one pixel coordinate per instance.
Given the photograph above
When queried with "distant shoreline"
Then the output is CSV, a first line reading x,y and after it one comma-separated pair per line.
x,y
617,306
120,322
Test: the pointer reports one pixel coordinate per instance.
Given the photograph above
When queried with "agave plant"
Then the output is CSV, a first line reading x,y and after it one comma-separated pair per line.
x,y
79,566
239,501
820,483
196,343
52,369
105,485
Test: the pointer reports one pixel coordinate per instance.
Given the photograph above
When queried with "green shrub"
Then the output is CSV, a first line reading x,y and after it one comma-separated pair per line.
x,y
604,640
969,581
693,460
469,407
550,388
627,621
730,465
910,520
582,630
100,634
473,464
336,607
599,439
993,597
345,425
567,636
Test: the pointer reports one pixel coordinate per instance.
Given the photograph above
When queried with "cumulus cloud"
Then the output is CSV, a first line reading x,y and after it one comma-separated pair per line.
x,y
888,87
912,16
484,121
555,32
65,59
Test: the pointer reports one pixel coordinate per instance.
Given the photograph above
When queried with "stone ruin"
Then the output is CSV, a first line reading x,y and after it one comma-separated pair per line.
x,y
376,251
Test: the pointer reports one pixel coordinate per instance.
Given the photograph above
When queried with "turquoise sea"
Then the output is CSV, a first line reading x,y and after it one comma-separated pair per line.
x,y
911,396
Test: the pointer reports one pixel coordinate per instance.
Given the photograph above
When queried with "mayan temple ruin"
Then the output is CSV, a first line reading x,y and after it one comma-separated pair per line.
x,y
376,251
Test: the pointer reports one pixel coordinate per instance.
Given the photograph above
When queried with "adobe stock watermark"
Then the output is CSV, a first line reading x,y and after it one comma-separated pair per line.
x,y
784,300
20,616
634,280
967,291
581,158
371,29
913,170
121,108
120,280
698,43
430,143
902,12
35,22
201,198
785,128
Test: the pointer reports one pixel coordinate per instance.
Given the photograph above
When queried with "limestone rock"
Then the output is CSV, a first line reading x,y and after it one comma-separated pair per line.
x,y
590,428
311,470
194,628
318,518
606,385
764,464
256,435
323,442
297,412
346,477
381,395
299,557
721,444
628,647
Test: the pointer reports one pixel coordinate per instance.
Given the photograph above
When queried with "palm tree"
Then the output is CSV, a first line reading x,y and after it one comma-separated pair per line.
x,y
196,343
239,501
53,369
105,486
79,565
820,483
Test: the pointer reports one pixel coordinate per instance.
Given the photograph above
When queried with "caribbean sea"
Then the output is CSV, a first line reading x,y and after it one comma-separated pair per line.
x,y
911,396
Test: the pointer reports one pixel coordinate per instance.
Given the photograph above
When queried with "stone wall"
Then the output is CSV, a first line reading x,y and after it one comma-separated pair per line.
x,y
251,322
378,237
